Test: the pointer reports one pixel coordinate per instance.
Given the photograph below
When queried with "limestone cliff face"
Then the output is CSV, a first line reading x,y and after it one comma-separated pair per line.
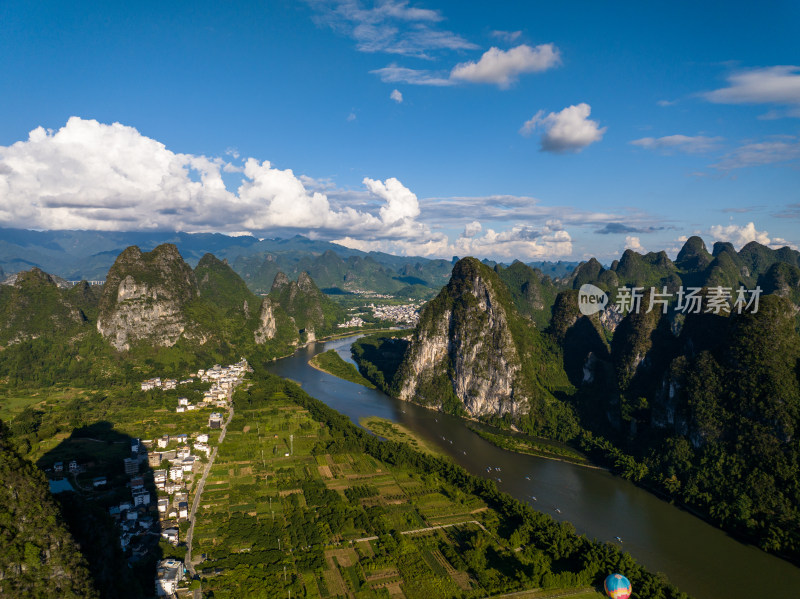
x,y
463,348
267,324
144,297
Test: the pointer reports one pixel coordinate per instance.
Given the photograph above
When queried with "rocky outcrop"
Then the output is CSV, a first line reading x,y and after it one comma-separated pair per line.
x,y
144,298
463,348
267,324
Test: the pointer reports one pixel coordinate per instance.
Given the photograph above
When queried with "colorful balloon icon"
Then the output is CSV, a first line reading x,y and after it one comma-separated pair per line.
x,y
617,586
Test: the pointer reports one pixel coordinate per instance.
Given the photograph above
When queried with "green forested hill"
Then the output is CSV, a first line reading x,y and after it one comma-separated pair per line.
x,y
312,312
38,557
155,316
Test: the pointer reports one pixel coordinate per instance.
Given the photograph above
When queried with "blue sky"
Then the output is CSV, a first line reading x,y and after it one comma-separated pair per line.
x,y
526,130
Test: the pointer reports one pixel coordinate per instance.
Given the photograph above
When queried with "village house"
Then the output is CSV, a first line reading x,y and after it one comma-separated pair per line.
x,y
169,574
183,510
163,504
176,473
100,481
137,483
58,467
131,466
154,459
141,498
171,535
201,447
173,486
163,441
73,467
202,438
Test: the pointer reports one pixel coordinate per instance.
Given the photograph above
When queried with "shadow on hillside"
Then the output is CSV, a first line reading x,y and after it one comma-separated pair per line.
x,y
118,534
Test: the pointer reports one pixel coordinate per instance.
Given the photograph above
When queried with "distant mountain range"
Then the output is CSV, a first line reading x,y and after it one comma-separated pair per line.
x,y
88,255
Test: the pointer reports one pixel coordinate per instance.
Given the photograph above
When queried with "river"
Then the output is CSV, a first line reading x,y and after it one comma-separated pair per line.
x,y
700,559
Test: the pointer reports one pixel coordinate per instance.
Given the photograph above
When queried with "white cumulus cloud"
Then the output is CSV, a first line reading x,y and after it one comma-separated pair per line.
x,y
503,67
472,229
401,203
94,176
397,96
739,235
520,242
570,130
634,243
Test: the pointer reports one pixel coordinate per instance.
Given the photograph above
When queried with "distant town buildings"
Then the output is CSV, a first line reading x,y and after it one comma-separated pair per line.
x,y
403,314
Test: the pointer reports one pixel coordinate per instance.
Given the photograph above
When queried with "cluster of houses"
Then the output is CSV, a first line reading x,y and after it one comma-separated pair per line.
x,y
407,313
133,515
356,321
156,509
164,385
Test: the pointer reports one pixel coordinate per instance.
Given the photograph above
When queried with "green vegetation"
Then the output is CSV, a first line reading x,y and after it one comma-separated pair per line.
x,y
706,417
347,514
394,431
309,308
332,363
379,356
38,556
532,292
530,445
701,408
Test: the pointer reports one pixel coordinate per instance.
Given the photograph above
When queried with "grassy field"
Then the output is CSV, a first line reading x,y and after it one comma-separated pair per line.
x,y
332,363
397,432
15,401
